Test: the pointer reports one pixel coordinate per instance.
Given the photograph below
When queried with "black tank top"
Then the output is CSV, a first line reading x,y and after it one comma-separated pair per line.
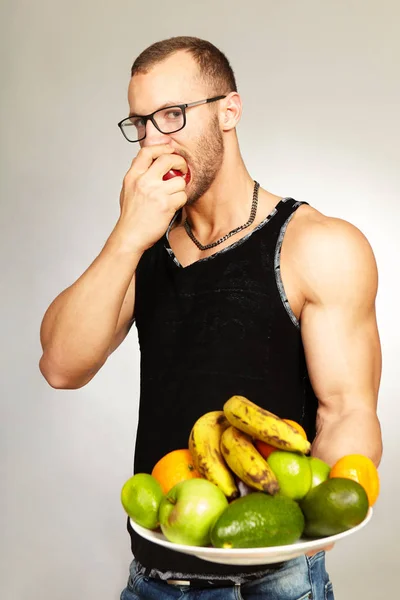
x,y
218,327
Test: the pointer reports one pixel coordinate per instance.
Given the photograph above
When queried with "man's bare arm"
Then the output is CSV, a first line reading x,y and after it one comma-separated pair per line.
x,y
341,340
90,319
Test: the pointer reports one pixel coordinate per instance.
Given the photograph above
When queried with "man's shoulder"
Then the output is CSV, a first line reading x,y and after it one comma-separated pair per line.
x,y
313,231
328,251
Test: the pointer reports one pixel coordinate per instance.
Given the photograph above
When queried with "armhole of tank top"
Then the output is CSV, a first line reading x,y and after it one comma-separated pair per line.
x,y
277,269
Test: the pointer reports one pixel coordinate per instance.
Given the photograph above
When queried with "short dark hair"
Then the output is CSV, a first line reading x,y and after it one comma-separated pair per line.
x,y
213,65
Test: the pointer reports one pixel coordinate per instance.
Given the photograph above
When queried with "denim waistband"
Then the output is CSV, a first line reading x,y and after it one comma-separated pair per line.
x,y
211,578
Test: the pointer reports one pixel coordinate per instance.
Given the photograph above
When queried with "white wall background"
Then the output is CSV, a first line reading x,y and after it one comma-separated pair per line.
x,y
320,82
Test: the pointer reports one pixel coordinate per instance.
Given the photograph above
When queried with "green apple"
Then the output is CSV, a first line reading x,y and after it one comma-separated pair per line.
x,y
320,471
189,510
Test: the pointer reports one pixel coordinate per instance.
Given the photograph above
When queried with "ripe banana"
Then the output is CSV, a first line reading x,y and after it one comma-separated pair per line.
x,y
264,425
248,464
204,445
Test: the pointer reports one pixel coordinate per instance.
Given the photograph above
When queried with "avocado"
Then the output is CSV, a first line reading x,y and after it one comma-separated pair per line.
x,y
334,506
258,520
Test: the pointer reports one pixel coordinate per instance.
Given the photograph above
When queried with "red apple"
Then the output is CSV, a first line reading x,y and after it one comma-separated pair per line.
x,y
175,173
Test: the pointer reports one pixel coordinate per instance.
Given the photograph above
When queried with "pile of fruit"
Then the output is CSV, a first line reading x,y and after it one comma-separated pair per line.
x,y
245,481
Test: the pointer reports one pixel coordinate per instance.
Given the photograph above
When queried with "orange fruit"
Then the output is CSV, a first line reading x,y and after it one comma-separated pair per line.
x,y
296,426
359,468
174,467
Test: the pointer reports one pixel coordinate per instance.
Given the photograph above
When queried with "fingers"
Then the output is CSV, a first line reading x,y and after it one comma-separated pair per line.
x,y
325,549
175,184
146,156
165,162
179,199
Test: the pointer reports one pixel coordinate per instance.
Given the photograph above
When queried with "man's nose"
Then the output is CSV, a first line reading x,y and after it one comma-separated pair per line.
x,y
154,136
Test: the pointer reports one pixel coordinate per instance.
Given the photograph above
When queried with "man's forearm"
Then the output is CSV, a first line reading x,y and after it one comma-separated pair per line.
x,y
79,326
355,432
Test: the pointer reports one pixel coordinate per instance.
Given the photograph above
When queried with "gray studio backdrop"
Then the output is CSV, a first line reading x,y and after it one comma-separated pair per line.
x,y
320,84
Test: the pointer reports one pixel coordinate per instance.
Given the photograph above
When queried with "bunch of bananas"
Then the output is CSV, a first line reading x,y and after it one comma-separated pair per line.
x,y
221,443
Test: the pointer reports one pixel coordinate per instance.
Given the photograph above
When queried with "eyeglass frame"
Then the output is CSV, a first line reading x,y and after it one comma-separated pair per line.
x,y
150,117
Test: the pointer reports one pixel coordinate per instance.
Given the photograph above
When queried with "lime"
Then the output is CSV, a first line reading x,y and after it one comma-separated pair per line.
x,y
258,520
141,496
320,471
293,473
334,506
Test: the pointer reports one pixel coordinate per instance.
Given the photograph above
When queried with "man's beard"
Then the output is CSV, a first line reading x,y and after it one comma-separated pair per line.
x,y
207,160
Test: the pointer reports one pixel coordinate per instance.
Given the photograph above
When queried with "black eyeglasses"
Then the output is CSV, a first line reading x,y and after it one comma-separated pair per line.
x,y
167,120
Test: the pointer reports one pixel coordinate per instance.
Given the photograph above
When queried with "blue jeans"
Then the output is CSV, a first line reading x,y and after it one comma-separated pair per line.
x,y
302,578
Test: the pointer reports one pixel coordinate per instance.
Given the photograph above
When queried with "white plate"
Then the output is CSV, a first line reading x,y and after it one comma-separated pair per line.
x,y
248,556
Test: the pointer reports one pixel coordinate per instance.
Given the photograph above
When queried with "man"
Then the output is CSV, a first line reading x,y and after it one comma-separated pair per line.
x,y
234,291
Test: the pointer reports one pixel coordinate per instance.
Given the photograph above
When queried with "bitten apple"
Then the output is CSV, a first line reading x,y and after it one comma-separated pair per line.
x,y
175,173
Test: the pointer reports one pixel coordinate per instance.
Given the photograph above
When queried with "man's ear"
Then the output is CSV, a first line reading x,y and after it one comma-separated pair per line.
x,y
231,111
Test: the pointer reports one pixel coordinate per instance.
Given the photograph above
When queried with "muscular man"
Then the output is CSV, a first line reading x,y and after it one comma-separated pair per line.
x,y
234,291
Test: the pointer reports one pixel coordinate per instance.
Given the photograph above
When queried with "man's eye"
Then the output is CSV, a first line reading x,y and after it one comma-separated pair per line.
x,y
173,114
138,122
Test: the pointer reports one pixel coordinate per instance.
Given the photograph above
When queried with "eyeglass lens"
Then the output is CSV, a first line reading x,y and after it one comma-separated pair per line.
x,y
168,120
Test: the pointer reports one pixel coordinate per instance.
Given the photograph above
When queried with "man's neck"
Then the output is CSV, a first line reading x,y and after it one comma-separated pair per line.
x,y
225,205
